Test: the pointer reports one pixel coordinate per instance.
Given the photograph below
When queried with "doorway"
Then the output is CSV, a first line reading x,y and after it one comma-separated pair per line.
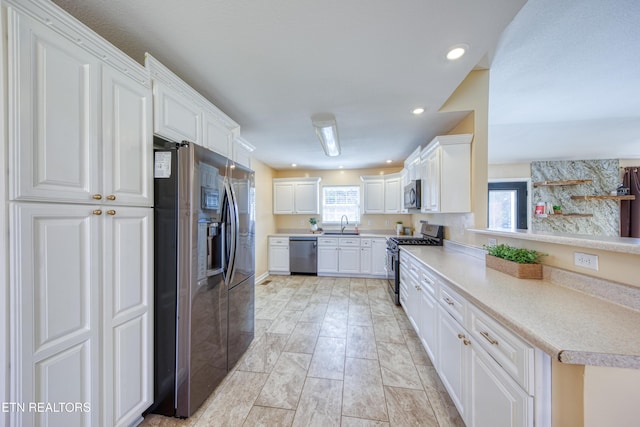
x,y
507,205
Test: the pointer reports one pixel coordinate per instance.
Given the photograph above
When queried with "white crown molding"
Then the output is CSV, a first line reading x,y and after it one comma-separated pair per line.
x,y
244,143
75,31
157,71
463,138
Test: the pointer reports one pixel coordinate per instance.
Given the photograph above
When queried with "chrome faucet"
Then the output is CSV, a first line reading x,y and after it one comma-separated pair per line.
x,y
342,227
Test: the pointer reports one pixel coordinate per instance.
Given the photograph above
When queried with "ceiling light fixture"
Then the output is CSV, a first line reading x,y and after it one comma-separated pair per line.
x,y
293,165
457,51
418,110
389,161
327,131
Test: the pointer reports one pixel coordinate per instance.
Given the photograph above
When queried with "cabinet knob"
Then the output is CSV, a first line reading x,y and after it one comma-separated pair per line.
x,y
461,336
111,197
418,288
97,197
466,342
111,212
97,212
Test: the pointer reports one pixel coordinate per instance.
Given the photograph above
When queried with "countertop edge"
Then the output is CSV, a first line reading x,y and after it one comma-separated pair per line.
x,y
564,355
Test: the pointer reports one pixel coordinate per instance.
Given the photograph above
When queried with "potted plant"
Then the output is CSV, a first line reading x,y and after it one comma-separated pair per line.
x,y
557,209
314,224
518,262
398,227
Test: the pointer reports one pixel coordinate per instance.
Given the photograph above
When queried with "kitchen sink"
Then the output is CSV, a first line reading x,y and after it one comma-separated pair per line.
x,y
340,233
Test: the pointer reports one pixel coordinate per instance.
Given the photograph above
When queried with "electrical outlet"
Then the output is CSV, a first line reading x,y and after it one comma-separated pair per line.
x,y
386,222
302,222
585,260
369,222
491,241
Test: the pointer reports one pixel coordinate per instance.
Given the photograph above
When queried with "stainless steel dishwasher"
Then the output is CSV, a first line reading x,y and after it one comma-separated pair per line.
x,y
303,257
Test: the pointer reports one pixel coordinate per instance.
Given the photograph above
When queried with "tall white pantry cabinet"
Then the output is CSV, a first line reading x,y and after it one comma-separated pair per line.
x,y
80,195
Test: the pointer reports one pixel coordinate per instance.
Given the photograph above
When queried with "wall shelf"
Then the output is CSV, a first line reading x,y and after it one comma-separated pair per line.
x,y
563,182
603,197
570,215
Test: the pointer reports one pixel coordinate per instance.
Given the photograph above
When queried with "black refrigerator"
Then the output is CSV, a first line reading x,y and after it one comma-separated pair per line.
x,y
204,272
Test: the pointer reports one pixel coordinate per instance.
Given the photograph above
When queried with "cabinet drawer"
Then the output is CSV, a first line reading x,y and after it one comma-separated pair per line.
x,y
510,351
345,241
327,241
427,280
452,302
278,241
365,242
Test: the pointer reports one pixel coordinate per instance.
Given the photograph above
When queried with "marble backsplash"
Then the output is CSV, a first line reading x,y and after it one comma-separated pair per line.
x,y
605,176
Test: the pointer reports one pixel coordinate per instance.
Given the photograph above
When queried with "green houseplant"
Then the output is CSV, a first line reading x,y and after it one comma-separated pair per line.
x,y
518,262
314,223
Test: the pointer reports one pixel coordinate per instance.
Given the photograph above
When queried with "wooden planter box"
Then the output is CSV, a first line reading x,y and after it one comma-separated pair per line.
x,y
521,271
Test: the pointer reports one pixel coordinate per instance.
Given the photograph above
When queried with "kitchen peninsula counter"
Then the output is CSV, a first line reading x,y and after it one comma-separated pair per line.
x,y
569,325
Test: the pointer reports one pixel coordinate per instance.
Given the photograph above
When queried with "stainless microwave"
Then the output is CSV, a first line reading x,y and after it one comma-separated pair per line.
x,y
413,194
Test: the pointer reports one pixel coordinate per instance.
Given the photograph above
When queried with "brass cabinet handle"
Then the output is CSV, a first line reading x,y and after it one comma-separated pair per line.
x,y
111,212
97,212
488,338
97,197
111,197
418,288
448,301
466,342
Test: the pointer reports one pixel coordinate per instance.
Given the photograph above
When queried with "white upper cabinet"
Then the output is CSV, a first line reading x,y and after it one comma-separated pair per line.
x,y
216,137
175,117
242,152
412,167
446,165
296,196
382,194
54,107
126,130
373,195
62,97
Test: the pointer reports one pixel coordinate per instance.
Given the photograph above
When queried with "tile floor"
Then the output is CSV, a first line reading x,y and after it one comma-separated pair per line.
x,y
327,352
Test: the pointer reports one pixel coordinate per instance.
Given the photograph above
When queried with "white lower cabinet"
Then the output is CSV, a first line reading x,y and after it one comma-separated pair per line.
x,y
82,286
279,255
378,257
365,256
487,370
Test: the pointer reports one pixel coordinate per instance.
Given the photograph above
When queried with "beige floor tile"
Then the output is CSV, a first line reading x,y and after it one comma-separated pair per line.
x,y
234,401
261,327
263,353
314,312
386,329
283,387
154,420
397,366
328,359
360,315
361,422
320,403
303,338
270,311
340,290
361,342
363,391
321,295
259,416
418,353
381,307
409,407
285,323
443,407
334,326
298,302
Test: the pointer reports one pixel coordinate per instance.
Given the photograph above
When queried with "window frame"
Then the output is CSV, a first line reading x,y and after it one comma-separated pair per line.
x,y
358,204
522,186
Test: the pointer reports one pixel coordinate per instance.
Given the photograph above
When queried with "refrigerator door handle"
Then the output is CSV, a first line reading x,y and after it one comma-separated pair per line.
x,y
233,219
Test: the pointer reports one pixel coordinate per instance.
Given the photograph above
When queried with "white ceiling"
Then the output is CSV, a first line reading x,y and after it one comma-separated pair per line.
x,y
565,77
565,82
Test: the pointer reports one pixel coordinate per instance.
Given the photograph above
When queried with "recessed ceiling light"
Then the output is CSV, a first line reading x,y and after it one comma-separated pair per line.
x,y
340,167
389,161
457,51
293,165
418,110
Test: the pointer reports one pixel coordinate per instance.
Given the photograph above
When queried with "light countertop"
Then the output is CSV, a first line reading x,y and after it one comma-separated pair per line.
x,y
566,324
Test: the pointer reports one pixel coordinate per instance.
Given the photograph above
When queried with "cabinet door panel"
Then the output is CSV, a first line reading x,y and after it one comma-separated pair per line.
x,y
327,259
349,261
216,137
55,287
451,359
496,400
379,257
373,196
174,116
283,198
306,198
365,260
127,140
126,306
392,195
279,258
53,103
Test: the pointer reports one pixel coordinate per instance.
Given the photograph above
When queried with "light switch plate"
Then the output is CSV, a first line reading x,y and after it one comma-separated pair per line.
x,y
491,241
585,260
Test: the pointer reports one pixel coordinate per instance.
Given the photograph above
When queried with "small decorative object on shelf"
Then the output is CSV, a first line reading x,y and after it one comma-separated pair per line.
x,y
623,190
314,224
557,210
517,262
399,228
